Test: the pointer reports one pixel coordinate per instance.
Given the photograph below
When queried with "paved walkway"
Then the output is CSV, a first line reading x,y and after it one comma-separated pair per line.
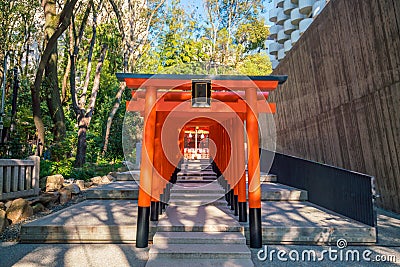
x,y
14,254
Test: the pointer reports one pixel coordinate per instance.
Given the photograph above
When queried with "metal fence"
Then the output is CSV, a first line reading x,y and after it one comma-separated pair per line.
x,y
342,191
19,178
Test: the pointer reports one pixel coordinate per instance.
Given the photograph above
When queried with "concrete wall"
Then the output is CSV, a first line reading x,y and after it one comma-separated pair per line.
x,y
341,103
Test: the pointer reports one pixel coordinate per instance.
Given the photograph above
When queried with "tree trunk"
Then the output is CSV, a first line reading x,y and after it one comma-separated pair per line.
x,y
14,101
111,116
63,22
85,118
53,99
83,124
65,82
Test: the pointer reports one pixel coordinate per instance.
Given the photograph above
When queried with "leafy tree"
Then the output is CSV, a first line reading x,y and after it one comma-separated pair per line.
x,y
255,64
61,24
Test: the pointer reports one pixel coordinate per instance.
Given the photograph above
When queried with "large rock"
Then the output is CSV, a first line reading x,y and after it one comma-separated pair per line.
x,y
47,199
54,182
111,178
65,195
38,207
80,183
3,220
8,204
74,188
19,210
96,180
106,180
113,174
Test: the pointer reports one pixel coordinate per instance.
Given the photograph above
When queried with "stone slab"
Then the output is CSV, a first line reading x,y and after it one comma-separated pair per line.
x,y
203,196
280,192
200,262
129,176
196,202
295,222
213,187
199,237
197,219
200,251
268,178
91,221
196,173
115,190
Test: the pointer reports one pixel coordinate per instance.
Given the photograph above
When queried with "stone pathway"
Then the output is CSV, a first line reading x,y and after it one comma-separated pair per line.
x,y
197,232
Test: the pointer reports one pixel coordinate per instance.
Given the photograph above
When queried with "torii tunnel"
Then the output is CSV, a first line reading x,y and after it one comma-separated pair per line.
x,y
223,109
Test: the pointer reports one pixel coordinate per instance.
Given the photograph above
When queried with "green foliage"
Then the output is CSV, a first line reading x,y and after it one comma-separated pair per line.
x,y
255,64
252,35
180,41
66,169
63,167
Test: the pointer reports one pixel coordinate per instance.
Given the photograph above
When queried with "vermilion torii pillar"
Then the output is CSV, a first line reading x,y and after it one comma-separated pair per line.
x,y
146,170
253,166
242,202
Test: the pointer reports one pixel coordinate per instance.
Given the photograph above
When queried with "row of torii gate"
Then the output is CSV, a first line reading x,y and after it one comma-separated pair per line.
x,y
226,106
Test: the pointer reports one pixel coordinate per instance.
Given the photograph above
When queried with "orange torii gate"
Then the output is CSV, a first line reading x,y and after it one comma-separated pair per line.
x,y
220,104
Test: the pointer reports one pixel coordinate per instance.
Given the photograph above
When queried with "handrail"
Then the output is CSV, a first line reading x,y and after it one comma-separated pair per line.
x,y
343,191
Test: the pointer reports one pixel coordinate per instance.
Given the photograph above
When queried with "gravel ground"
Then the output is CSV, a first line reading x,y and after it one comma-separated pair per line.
x,y
11,233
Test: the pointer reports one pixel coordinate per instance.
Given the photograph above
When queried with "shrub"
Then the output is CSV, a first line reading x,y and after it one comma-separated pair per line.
x,y
65,167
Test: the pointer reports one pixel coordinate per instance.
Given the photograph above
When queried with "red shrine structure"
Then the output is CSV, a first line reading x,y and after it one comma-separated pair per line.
x,y
200,117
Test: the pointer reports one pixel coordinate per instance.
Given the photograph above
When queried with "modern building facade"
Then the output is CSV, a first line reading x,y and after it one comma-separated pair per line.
x,y
291,19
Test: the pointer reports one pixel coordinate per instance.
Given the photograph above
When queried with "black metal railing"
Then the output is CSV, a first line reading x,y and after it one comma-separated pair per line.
x,y
342,191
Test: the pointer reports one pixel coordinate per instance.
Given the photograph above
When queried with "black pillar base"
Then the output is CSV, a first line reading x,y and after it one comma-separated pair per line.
x,y
228,197
242,211
232,195
255,227
160,208
154,211
142,230
236,205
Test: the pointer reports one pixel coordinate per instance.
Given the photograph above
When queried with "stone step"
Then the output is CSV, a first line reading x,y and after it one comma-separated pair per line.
x,y
195,165
268,178
295,222
199,182
208,177
194,182
197,219
198,237
195,168
91,221
198,190
110,221
115,190
204,196
198,169
129,176
280,192
200,262
196,161
199,251
196,173
209,188
195,202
